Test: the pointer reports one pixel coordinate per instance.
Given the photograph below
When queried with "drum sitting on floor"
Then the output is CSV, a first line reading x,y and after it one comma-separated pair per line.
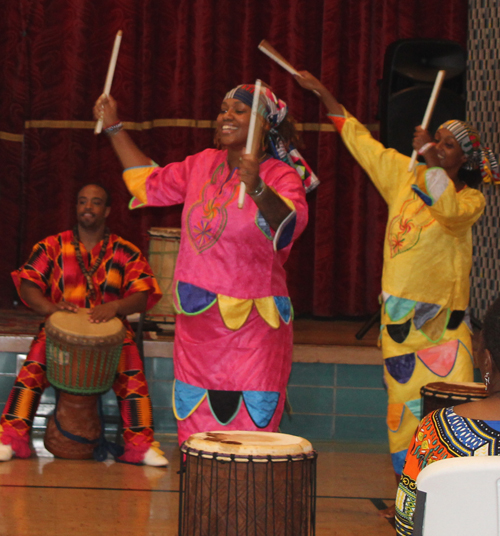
x,y
82,359
164,245
240,483
439,395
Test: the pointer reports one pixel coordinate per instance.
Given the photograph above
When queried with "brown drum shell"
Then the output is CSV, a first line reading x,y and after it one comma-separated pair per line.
x,y
438,395
78,415
255,495
164,243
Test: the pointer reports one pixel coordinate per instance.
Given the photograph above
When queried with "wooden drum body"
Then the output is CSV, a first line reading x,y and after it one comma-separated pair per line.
x,y
439,395
255,483
82,359
164,245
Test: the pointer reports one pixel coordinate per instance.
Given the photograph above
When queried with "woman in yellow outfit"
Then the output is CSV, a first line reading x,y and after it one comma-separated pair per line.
x,y
426,334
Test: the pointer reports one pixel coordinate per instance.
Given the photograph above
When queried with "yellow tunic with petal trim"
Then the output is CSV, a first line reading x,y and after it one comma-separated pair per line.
x,y
427,262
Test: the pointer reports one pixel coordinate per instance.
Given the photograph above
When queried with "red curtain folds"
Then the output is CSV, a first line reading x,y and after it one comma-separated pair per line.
x,y
177,60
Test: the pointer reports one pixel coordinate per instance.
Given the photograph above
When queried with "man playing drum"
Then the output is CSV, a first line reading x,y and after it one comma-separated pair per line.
x,y
92,268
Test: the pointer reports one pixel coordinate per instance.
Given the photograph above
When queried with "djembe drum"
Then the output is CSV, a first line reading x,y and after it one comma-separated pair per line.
x,y
164,245
239,483
82,359
439,395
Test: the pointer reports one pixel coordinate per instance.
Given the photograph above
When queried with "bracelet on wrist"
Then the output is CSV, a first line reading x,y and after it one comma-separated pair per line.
x,y
259,190
114,129
426,147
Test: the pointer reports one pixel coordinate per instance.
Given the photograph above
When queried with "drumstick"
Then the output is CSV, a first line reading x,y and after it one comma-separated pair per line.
x,y
109,76
265,47
428,113
254,130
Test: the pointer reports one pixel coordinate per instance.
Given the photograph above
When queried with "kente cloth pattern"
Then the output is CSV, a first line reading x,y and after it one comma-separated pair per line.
x,y
123,272
425,279
53,266
441,434
234,332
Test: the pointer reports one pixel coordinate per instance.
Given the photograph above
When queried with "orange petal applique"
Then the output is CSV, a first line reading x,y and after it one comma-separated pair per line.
x,y
394,416
440,359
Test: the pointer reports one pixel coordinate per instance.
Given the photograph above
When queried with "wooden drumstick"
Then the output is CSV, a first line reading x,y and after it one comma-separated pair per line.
x,y
254,133
270,51
428,113
110,74
265,47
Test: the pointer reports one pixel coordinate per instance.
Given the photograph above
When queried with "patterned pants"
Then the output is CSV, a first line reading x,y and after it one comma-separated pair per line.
x,y
130,387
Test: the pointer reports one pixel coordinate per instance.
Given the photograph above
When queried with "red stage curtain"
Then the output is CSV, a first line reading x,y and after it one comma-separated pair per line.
x,y
177,60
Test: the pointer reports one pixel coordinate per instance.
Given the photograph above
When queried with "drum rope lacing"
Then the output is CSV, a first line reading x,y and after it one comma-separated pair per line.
x,y
195,517
102,445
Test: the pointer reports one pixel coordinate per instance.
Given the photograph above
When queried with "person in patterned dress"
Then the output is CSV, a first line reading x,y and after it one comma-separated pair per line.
x,y
233,334
93,268
471,429
425,323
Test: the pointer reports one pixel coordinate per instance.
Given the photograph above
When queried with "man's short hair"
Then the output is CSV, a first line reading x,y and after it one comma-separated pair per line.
x,y
106,191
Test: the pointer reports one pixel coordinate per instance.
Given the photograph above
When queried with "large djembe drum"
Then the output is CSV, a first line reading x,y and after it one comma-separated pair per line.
x,y
82,359
239,483
439,395
164,245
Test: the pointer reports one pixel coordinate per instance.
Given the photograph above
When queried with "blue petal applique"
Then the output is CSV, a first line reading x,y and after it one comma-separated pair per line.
x,y
261,406
284,306
186,398
194,299
398,461
398,308
263,225
427,199
401,367
285,232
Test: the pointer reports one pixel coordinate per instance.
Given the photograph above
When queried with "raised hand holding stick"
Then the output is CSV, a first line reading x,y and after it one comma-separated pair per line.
x,y
110,74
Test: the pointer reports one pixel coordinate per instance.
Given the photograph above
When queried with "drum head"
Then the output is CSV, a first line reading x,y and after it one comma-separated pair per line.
x,y
241,443
76,328
165,232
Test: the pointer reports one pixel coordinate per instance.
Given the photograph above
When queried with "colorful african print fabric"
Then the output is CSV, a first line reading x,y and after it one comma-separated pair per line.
x,y
441,434
478,155
233,336
425,280
54,268
274,111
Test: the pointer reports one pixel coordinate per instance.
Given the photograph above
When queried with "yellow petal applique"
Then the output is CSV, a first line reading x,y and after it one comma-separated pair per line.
x,y
234,311
268,311
288,202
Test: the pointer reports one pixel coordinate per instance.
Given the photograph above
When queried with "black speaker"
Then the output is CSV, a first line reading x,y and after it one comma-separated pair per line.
x,y
410,69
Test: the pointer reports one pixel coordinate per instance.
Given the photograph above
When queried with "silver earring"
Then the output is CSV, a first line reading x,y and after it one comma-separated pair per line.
x,y
486,381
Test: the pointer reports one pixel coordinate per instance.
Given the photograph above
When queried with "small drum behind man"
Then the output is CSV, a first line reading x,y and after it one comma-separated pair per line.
x,y
164,245
439,395
239,483
82,359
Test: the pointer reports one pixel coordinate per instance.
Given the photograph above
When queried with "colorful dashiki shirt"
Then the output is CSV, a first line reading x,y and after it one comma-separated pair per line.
x,y
233,337
441,434
425,334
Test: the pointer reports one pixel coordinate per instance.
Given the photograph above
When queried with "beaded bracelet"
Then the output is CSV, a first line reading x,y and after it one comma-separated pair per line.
x,y
259,190
114,129
426,147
